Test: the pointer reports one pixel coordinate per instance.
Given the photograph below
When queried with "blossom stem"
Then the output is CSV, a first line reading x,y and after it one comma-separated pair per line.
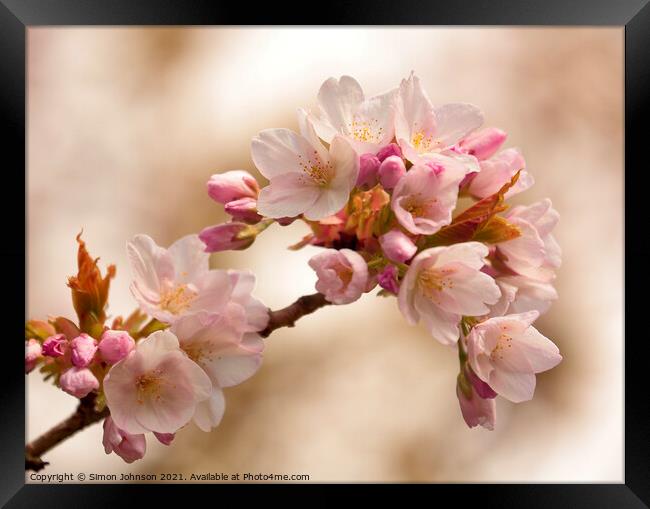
x,y
86,413
286,317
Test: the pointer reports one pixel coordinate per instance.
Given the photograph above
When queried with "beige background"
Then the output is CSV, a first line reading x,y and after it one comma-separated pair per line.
x,y
126,125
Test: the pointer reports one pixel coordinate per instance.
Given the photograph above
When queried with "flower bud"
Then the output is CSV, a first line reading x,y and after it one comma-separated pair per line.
x,y
368,166
115,345
232,185
78,382
55,346
484,143
164,438
127,446
83,350
397,246
33,352
226,236
244,210
391,170
389,150
387,279
476,410
480,387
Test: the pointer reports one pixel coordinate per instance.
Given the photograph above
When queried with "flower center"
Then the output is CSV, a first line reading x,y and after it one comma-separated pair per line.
x,y
148,385
364,130
423,143
433,281
177,298
345,274
199,351
320,172
416,206
504,342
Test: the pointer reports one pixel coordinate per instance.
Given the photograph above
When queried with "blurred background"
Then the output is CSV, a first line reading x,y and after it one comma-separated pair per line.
x,y
125,126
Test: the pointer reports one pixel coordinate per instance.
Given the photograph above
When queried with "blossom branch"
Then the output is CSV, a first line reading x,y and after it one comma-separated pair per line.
x,y
85,414
286,317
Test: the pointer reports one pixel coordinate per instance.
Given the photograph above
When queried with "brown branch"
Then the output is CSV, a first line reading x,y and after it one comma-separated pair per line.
x,y
286,317
85,415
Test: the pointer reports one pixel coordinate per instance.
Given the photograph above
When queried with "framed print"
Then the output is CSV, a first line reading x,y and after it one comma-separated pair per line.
x,y
399,246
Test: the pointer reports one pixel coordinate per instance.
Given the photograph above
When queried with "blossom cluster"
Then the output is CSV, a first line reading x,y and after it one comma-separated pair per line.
x,y
154,377
379,182
400,195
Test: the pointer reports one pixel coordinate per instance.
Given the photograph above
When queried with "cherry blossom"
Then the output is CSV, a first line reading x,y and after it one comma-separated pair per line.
x,y
342,275
157,387
305,178
425,197
444,283
343,109
506,352
228,355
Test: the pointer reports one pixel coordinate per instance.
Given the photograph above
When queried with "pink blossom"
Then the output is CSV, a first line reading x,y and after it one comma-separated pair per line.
x,y
171,282
244,210
391,149
421,128
497,171
305,177
483,143
343,110
506,352
127,446
78,382
535,254
55,346
228,355
83,350
479,386
232,185
342,275
392,169
424,198
387,279
224,237
477,411
397,246
368,166
520,294
444,283
115,345
156,387
33,352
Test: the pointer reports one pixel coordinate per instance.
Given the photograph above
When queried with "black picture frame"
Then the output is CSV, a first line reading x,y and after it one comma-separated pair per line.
x,y
16,16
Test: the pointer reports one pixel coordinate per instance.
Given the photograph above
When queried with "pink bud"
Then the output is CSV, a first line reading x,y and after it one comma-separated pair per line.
x,y
126,446
78,381
389,150
391,170
387,279
33,352
368,166
476,410
285,221
397,246
115,345
481,388
484,143
223,237
232,185
164,438
55,346
244,210
83,350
